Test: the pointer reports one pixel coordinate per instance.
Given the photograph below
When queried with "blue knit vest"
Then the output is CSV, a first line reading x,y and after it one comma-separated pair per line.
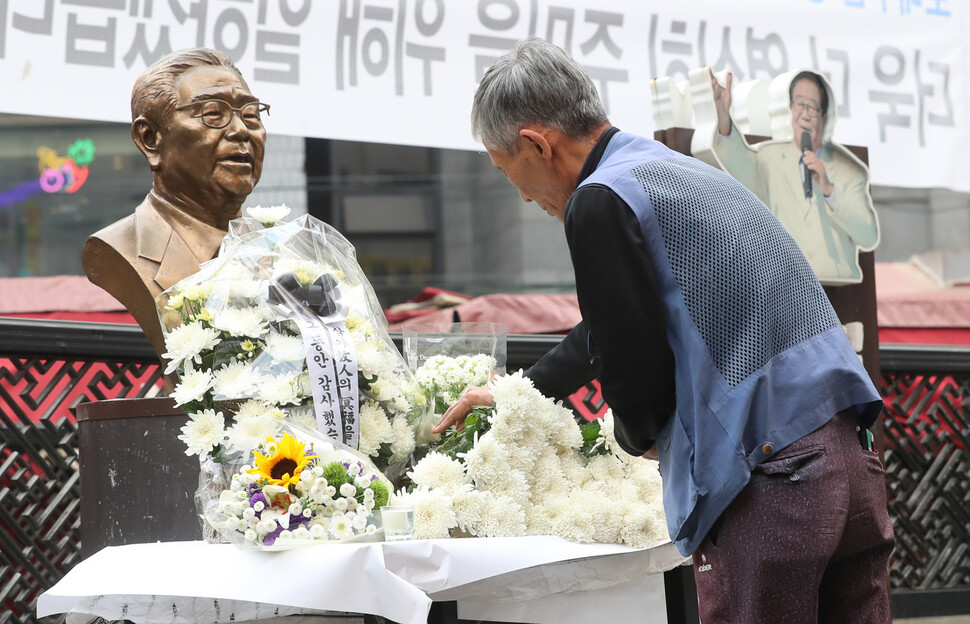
x,y
760,355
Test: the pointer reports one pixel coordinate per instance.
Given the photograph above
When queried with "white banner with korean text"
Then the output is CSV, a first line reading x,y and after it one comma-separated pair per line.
x,y
404,71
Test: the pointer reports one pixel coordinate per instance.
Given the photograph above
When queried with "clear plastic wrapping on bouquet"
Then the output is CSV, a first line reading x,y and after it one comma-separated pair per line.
x,y
285,317
449,357
298,488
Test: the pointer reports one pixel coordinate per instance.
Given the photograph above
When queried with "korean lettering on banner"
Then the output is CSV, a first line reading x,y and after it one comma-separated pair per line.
x,y
374,34
913,86
36,18
93,27
92,36
323,378
503,23
905,7
345,364
675,46
834,63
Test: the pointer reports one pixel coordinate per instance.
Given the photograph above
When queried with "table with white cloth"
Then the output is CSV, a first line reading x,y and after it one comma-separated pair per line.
x,y
538,579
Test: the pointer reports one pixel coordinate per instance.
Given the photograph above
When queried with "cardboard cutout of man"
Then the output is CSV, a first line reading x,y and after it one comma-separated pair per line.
x,y
817,188
196,121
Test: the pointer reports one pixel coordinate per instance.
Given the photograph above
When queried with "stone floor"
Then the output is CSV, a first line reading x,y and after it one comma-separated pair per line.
x,y
953,619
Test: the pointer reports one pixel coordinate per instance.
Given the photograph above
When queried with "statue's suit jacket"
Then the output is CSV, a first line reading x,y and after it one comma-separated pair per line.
x,y
830,231
137,258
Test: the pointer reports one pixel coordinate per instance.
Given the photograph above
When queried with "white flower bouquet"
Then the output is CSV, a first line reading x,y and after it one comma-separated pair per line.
x,y
525,467
296,489
283,324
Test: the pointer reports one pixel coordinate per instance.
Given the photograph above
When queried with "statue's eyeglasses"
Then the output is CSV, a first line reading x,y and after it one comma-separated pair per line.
x,y
218,113
811,107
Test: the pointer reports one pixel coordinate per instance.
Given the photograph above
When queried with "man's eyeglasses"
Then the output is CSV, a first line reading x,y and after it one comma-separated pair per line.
x,y
218,113
811,108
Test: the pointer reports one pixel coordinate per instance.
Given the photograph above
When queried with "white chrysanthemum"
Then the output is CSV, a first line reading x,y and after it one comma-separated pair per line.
x,y
569,521
403,444
279,389
563,432
515,391
471,507
192,386
196,292
341,527
487,458
249,431
503,518
187,342
241,322
283,348
252,408
268,215
375,429
235,380
203,432
547,478
371,358
385,389
302,416
512,424
643,527
605,468
529,475
434,516
438,471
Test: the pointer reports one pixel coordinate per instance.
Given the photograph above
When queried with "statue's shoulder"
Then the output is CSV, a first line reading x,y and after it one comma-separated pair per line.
x,y
122,235
119,235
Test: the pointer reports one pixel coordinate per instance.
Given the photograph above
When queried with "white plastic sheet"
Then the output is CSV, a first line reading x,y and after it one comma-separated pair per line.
x,y
194,581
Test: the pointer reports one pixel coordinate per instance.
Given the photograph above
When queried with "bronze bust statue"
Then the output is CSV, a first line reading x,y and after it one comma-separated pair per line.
x,y
199,126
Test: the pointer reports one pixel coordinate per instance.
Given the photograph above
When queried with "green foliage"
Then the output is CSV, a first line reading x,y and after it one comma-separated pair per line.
x,y
335,473
364,382
477,422
381,494
592,441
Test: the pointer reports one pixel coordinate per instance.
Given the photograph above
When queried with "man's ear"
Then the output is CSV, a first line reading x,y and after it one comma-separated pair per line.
x,y
538,142
147,137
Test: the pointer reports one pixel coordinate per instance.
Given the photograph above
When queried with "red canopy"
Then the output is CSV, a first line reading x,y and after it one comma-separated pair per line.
x,y
913,307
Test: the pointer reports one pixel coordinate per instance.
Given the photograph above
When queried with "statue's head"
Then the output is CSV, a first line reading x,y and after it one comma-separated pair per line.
x,y
201,129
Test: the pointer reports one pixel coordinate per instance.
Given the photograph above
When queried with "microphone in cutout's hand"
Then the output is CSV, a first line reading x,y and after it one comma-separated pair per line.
x,y
806,172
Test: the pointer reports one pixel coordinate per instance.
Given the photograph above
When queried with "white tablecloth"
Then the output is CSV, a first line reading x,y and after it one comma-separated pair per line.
x,y
519,579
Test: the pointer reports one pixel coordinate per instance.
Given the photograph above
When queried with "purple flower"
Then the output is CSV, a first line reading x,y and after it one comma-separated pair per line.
x,y
270,538
258,498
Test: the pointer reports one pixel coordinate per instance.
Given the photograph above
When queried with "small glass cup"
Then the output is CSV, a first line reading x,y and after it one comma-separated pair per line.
x,y
398,523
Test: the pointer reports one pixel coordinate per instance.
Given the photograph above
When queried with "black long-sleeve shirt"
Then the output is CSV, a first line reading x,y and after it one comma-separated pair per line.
x,y
623,335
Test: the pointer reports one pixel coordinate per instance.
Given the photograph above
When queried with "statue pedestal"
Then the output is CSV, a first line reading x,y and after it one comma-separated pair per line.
x,y
137,483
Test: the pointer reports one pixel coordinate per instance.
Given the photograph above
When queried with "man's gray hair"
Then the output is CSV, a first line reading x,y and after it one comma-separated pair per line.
x,y
154,95
536,82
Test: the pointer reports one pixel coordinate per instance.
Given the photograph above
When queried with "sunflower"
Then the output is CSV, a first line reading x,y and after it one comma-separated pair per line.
x,y
284,465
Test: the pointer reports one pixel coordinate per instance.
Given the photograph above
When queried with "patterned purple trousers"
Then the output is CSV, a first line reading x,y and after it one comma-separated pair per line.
x,y
807,541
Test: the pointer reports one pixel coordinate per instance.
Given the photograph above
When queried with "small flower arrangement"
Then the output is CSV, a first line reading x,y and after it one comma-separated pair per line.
x,y
296,492
525,467
282,319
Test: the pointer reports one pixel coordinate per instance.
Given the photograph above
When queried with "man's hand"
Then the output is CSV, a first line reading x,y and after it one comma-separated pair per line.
x,y
476,396
819,175
722,102
652,453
